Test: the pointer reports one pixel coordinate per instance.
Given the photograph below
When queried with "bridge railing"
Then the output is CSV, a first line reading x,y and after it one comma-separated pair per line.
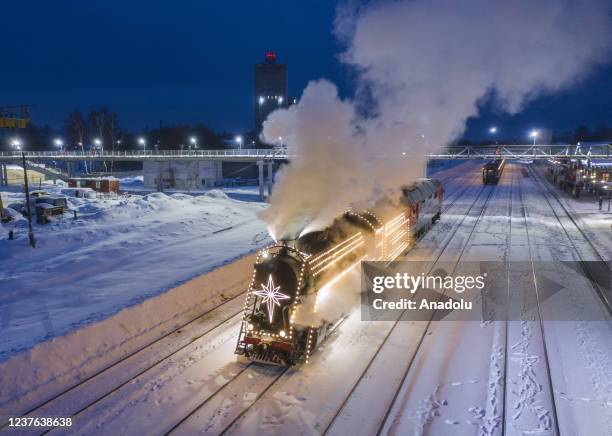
x,y
246,153
453,152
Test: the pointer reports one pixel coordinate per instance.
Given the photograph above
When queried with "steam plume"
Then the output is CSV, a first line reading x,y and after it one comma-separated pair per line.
x,y
423,68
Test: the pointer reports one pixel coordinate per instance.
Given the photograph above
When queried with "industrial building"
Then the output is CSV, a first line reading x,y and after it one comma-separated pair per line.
x,y
182,174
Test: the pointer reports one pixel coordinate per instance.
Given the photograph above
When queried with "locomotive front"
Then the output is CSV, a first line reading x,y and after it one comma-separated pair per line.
x,y
267,332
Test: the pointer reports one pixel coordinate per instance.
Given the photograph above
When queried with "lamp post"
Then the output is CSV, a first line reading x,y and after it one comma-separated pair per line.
x,y
142,141
493,131
193,140
59,143
239,141
16,143
534,134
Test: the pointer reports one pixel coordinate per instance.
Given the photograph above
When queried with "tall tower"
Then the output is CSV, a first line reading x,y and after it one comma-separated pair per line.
x,y
270,88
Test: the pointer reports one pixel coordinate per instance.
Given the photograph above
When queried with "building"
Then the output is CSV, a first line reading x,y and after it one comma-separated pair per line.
x,y
271,91
182,174
13,175
100,184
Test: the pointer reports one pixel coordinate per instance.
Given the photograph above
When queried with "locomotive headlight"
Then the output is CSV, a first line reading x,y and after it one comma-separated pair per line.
x,y
250,327
282,333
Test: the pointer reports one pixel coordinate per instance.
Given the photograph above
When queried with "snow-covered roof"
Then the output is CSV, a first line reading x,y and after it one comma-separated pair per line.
x,y
95,179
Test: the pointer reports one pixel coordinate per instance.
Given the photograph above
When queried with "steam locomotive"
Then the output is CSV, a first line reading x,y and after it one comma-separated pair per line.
x,y
291,277
492,171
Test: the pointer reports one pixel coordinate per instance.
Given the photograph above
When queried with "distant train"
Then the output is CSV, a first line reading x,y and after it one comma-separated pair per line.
x,y
492,171
293,275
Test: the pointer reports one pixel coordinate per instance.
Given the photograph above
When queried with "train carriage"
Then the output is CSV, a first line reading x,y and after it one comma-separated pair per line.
x,y
492,171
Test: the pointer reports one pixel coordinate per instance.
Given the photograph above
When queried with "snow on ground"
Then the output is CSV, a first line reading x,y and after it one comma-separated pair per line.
x,y
118,253
466,377
597,224
83,271
158,398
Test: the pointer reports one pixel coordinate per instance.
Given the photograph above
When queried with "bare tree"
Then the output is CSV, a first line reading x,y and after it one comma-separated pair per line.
x,y
75,129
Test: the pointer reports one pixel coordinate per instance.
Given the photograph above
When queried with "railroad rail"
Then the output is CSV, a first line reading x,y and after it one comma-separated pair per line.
x,y
73,402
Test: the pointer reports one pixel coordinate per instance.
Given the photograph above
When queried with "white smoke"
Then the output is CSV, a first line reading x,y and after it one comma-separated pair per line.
x,y
423,67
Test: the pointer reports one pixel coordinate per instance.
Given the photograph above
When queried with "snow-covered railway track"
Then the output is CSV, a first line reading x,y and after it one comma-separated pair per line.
x,y
593,253
577,322
533,395
561,353
395,409
79,399
219,415
327,407
85,394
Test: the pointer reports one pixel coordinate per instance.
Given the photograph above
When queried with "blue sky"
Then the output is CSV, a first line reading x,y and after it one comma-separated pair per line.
x,y
192,61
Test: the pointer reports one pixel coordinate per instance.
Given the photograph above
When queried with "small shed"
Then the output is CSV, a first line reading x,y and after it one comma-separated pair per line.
x,y
44,211
79,192
53,201
100,184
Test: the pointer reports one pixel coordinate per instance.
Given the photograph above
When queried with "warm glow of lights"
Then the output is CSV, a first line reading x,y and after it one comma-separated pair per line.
x,y
322,294
330,257
270,295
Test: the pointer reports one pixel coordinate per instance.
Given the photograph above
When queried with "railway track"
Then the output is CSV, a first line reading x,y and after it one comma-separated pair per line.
x,y
507,258
64,401
411,361
276,376
275,380
530,371
540,321
596,255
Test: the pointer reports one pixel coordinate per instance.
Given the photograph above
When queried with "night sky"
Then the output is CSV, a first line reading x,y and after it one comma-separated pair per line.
x,y
192,61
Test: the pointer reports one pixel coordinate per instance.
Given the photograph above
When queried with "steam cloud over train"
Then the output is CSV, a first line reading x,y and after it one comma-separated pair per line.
x,y
292,277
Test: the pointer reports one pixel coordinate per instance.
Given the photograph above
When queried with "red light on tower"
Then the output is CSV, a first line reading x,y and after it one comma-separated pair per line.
x,y
271,56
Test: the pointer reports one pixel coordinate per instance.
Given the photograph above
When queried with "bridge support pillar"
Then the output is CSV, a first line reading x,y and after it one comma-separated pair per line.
x,y
3,175
260,166
270,177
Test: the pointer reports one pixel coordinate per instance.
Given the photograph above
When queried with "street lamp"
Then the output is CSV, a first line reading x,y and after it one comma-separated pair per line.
x,y
493,131
194,141
59,143
534,134
261,100
239,141
280,100
142,141
16,143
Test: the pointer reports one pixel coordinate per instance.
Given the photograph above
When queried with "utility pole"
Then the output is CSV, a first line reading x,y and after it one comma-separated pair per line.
x,y
27,190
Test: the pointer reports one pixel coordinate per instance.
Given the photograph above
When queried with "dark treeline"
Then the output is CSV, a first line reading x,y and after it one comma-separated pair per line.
x,y
602,133
100,128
